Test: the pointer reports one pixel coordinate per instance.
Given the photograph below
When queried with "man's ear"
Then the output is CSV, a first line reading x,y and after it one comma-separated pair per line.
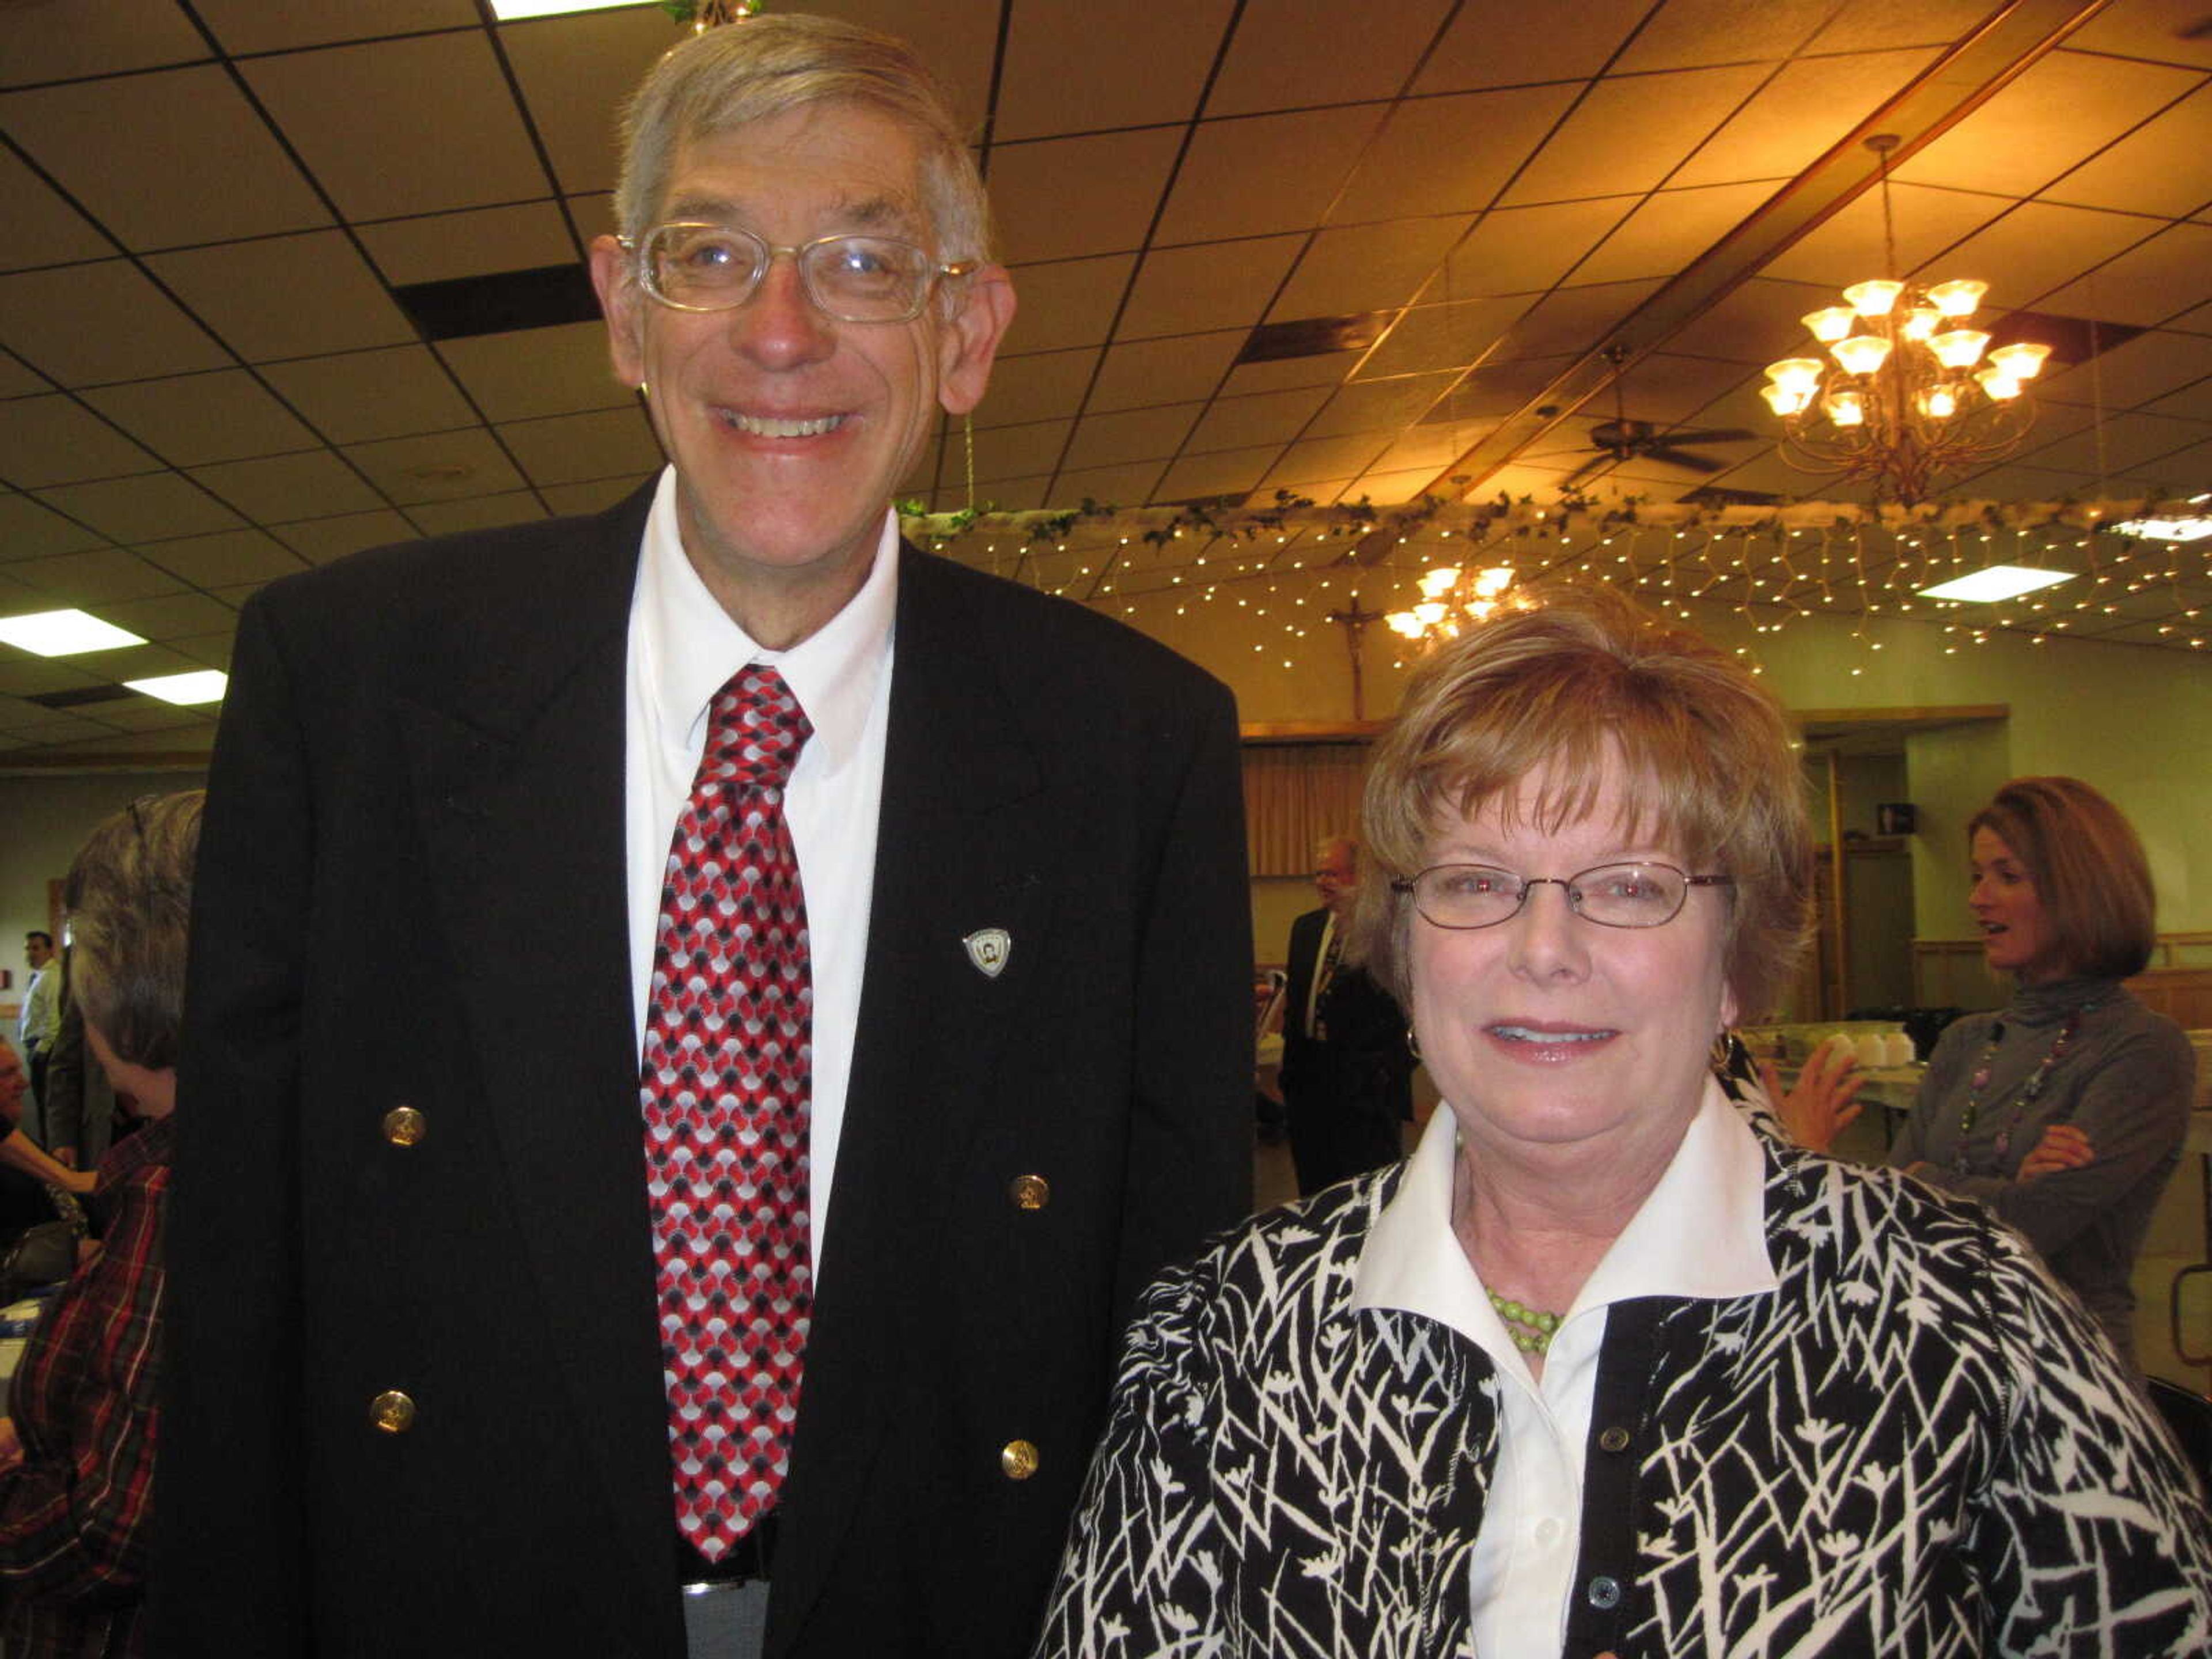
x,y
613,276
969,342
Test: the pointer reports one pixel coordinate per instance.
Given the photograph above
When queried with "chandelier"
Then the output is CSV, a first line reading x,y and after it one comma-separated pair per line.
x,y
1453,601
1913,392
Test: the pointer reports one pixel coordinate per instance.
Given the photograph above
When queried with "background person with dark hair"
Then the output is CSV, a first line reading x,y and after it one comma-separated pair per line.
x,y
40,1016
77,1453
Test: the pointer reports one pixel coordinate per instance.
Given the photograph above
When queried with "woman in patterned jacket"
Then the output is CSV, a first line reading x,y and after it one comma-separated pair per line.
x,y
1603,1369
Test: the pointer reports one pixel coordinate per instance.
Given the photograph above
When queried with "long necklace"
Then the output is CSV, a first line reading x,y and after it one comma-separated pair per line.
x,y
1531,1329
2041,1075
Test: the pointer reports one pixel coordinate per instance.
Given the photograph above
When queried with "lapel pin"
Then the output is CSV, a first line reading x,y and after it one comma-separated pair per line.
x,y
988,949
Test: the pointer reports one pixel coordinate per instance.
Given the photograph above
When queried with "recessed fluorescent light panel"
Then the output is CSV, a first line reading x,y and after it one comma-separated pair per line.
x,y
509,10
1999,581
2165,530
207,686
63,634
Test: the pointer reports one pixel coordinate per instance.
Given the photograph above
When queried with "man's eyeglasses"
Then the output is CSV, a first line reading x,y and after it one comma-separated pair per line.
x,y
1465,895
692,265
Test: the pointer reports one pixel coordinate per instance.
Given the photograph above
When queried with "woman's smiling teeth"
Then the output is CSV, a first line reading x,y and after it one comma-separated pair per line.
x,y
1528,1034
771,425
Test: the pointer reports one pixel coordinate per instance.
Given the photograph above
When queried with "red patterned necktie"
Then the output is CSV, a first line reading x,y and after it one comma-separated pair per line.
x,y
725,1088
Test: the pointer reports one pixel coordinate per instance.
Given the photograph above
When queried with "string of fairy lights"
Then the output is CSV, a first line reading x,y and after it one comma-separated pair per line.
x,y
1298,574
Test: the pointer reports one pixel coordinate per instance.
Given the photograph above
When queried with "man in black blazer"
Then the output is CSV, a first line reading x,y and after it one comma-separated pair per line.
x,y
1348,1074
415,1382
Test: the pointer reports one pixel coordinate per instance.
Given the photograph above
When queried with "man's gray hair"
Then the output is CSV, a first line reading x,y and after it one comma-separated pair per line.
x,y
747,71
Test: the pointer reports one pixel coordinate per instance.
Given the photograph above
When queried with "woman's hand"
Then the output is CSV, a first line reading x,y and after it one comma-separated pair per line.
x,y
1824,1101
2063,1146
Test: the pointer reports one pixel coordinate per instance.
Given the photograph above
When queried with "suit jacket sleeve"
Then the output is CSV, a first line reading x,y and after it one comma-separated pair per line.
x,y
231,1485
1189,1161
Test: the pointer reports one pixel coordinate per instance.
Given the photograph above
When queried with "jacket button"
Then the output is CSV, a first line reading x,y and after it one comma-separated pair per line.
x,y
404,1127
1030,1191
391,1412
1614,1439
1604,1594
1018,1460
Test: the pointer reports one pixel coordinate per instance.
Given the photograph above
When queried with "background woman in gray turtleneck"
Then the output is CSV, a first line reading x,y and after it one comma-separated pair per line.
x,y
2064,1110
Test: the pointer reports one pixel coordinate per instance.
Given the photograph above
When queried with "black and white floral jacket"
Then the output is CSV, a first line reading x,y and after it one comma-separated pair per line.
x,y
1917,1445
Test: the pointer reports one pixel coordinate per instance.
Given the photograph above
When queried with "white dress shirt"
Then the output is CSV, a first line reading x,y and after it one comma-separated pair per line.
x,y
683,648
1701,1233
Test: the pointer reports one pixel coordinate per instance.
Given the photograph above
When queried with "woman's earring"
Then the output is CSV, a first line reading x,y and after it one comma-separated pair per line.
x,y
1414,1044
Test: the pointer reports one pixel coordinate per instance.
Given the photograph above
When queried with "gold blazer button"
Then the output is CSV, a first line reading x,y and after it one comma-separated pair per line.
x,y
1614,1439
1030,1191
1018,1461
405,1127
391,1412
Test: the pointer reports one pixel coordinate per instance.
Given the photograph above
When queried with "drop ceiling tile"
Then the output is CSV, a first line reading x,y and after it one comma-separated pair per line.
x,y
2144,369
193,419
91,136
150,713
2161,277
1016,452
93,580
253,25
1670,230
139,509
43,229
1755,323
1690,33
1078,68
477,242
1259,174
956,39
1796,117
273,487
1865,25
538,371
133,662
61,728
86,324
55,439
575,71
1176,370
1573,320
483,512
1504,45
320,540
1443,336
289,296
1500,388
1669,115
16,380
1291,52
2164,167
570,448
171,616
32,676
213,650
31,530
1527,250
358,396
1071,302
1134,434
372,124
1211,285
2011,145
1450,155
1328,368
1114,486
1271,419
1021,495
2192,402
1320,459
1372,268
223,561
2127,441
440,467
56,43
1117,176
1388,487
1379,405
1224,472
1037,386
1431,449
594,496
2156,31
1847,247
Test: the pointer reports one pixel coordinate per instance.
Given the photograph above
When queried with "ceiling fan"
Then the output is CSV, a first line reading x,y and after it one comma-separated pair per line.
x,y
1623,440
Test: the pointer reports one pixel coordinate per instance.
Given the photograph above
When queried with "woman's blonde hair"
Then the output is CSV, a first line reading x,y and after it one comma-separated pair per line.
x,y
130,895
1579,679
2091,876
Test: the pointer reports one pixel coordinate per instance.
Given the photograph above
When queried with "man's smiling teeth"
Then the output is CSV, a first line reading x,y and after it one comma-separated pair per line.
x,y
768,426
1522,1034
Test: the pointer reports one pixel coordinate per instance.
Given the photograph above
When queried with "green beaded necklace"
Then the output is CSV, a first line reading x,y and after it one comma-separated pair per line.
x,y
1531,1329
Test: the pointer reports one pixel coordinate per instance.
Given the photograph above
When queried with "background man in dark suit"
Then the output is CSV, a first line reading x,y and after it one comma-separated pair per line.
x,y
1347,1075
421,1382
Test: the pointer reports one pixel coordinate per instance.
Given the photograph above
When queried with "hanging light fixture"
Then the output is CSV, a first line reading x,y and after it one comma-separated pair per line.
x,y
1452,601
1912,392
